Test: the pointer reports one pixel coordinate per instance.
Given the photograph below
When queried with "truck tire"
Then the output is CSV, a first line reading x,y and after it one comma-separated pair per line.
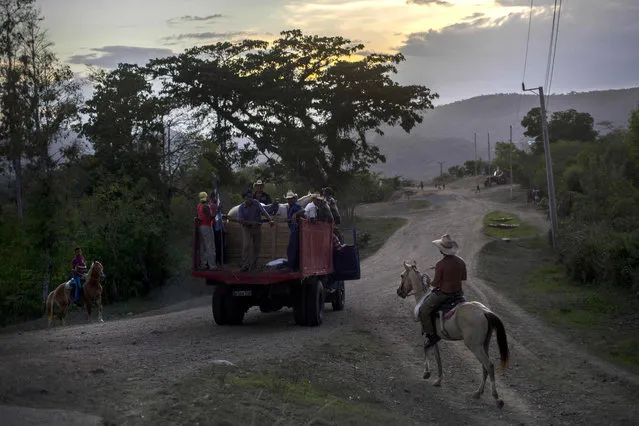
x,y
314,302
298,294
339,297
217,306
234,310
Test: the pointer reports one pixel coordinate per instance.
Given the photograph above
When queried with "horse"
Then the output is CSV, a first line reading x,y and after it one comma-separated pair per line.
x,y
471,322
91,291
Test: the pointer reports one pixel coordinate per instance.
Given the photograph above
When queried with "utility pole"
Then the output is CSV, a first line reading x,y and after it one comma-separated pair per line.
x,y
549,174
511,162
475,157
441,169
489,180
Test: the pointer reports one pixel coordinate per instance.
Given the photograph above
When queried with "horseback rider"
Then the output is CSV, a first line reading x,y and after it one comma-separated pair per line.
x,y
449,274
79,269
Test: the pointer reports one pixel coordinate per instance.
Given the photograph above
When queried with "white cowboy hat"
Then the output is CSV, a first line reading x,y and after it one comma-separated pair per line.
x,y
203,196
259,182
290,194
446,245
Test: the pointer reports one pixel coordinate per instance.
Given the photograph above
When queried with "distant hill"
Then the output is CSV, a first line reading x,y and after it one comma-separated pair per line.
x,y
447,131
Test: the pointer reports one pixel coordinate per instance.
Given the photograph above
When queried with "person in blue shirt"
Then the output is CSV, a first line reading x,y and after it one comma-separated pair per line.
x,y
249,215
293,214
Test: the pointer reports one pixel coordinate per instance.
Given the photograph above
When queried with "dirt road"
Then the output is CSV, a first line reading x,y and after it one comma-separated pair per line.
x,y
129,371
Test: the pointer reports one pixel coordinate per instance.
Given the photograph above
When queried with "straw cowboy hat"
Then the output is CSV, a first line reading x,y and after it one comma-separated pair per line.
x,y
446,245
203,196
317,196
290,194
258,183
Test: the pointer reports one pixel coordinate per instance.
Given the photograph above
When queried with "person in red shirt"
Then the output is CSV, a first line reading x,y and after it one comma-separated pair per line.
x,y
450,273
207,242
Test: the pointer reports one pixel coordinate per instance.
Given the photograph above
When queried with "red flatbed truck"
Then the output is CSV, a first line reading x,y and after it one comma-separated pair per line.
x,y
320,280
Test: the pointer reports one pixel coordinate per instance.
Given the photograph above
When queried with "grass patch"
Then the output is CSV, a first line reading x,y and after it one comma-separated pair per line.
x,y
308,387
605,320
418,204
372,232
521,230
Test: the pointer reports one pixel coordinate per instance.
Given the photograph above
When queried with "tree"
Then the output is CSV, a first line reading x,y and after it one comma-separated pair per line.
x,y
571,125
14,15
457,171
299,102
532,124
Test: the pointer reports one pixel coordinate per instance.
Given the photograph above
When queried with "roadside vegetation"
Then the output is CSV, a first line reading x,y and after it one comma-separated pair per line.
x,y
603,320
507,225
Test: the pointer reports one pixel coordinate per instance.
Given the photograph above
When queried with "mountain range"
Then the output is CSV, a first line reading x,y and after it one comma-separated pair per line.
x,y
447,132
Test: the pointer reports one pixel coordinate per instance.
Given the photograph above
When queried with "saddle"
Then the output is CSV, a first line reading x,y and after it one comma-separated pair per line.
x,y
445,311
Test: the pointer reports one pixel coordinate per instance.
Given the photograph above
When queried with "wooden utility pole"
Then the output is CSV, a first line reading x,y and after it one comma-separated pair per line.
x,y
511,161
552,205
475,157
441,169
489,180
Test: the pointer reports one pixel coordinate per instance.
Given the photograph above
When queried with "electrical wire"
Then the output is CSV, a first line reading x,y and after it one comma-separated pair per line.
x,y
552,69
523,79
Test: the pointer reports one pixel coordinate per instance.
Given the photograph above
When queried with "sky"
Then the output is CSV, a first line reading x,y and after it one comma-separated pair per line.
x,y
457,48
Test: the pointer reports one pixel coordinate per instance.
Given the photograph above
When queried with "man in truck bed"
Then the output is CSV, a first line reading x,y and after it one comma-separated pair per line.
x,y
249,215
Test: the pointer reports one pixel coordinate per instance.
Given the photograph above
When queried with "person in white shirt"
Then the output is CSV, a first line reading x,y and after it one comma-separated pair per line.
x,y
311,208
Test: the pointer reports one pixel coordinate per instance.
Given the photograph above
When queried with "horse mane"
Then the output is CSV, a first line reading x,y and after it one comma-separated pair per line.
x,y
94,275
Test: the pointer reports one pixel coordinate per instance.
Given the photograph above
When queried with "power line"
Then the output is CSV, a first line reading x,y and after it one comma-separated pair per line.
x,y
552,38
552,70
525,58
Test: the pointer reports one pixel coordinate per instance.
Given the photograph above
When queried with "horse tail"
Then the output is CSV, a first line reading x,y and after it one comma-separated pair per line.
x,y
50,306
502,342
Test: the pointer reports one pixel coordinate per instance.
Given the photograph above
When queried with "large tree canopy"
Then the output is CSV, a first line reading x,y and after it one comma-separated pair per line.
x,y
569,125
306,103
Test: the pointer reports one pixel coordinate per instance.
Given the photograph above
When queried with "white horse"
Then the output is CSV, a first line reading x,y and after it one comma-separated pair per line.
x,y
471,322
282,209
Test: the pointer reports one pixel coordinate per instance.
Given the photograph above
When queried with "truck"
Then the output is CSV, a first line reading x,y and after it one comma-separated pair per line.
x,y
320,279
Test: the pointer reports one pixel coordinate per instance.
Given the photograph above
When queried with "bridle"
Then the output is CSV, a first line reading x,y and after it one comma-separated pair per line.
x,y
425,287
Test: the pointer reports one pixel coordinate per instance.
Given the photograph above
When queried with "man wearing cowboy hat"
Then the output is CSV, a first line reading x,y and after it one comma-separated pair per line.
x,y
310,210
207,241
259,194
332,204
249,215
449,274
293,213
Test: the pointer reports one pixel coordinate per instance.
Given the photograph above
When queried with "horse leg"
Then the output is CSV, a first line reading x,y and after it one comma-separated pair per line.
x,y
426,366
438,358
89,307
99,302
482,356
482,385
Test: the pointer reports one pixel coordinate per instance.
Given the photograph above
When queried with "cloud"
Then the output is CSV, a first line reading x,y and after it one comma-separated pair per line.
x,y
595,50
474,16
110,56
209,36
430,2
192,18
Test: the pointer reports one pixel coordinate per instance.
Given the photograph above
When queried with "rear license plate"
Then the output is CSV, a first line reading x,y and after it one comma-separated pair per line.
x,y
240,293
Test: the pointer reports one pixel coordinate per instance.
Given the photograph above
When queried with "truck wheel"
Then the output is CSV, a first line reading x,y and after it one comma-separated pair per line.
x,y
217,306
234,311
339,297
299,303
314,302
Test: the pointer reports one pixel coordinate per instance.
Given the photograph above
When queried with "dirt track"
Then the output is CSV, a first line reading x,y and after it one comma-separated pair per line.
x,y
120,369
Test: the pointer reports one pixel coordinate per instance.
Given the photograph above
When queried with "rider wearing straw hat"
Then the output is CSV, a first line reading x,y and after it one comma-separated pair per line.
x,y
259,194
294,211
449,274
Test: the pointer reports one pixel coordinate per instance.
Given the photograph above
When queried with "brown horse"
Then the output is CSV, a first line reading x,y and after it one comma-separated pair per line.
x,y
471,322
91,291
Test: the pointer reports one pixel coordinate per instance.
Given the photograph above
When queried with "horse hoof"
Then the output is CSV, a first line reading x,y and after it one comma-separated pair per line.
x,y
426,375
500,403
101,320
437,383
476,395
